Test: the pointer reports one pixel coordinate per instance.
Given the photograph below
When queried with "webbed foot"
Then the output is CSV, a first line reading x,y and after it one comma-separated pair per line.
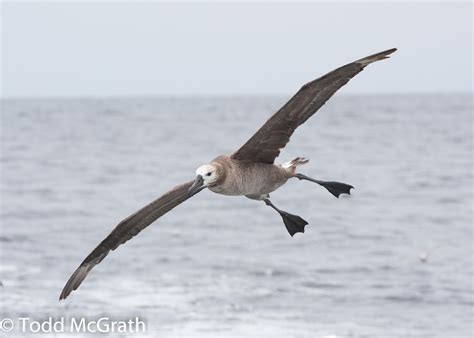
x,y
335,188
292,222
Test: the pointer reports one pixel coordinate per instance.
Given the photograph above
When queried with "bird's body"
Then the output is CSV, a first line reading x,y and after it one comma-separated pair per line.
x,y
250,171
247,178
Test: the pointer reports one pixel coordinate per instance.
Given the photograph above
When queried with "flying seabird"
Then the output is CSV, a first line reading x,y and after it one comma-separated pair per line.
x,y
249,172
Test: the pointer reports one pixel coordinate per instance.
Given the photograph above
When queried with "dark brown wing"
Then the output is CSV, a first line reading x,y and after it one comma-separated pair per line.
x,y
265,144
125,230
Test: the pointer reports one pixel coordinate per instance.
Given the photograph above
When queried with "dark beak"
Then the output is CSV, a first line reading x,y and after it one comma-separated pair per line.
x,y
197,185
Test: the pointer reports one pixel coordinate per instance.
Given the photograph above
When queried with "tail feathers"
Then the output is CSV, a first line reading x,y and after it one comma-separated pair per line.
x,y
299,161
294,163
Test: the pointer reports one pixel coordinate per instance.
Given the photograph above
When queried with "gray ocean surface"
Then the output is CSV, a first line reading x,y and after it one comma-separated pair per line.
x,y
394,259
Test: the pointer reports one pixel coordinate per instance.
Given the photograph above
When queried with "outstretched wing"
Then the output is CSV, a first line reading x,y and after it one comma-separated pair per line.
x,y
127,229
265,144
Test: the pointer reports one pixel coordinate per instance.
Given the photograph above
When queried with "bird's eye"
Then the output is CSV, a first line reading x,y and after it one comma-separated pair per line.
x,y
208,174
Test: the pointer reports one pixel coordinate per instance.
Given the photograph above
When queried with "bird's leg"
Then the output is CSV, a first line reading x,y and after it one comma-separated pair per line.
x,y
292,222
335,188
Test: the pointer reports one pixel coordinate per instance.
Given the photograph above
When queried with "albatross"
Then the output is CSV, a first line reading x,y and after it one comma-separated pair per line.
x,y
250,171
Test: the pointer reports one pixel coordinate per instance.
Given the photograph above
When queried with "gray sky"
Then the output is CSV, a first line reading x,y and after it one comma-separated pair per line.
x,y
129,48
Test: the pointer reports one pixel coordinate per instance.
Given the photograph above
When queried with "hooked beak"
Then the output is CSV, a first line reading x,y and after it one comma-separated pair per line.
x,y
197,185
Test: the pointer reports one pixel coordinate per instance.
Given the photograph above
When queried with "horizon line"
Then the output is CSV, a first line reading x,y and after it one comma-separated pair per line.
x,y
217,95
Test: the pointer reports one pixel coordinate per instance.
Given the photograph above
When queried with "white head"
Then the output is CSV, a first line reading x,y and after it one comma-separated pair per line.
x,y
206,175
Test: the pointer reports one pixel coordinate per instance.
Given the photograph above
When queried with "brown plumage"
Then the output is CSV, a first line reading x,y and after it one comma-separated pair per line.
x,y
125,230
248,172
265,144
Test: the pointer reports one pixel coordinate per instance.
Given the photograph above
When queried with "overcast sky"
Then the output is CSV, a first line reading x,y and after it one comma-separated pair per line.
x,y
115,49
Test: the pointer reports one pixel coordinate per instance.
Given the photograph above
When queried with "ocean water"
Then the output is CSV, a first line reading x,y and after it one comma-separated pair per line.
x,y
394,259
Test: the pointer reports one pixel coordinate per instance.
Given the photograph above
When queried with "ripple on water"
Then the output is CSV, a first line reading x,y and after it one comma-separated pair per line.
x,y
323,286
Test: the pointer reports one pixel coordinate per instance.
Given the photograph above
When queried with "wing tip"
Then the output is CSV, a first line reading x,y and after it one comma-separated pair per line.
x,y
376,57
75,280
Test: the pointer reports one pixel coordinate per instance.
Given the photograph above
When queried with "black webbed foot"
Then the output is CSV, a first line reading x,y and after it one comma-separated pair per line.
x,y
293,223
335,188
